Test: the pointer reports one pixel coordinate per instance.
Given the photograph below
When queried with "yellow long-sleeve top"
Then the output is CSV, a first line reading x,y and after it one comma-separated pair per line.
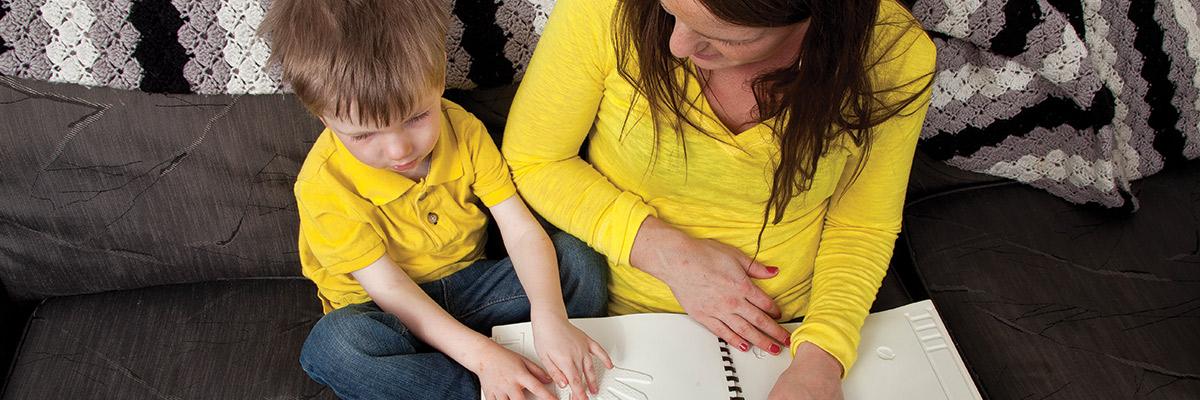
x,y
833,245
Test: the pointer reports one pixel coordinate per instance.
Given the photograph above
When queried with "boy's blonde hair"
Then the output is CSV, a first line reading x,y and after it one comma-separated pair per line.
x,y
376,59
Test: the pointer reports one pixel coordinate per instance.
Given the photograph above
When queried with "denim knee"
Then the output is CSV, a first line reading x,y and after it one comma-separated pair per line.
x,y
584,276
350,338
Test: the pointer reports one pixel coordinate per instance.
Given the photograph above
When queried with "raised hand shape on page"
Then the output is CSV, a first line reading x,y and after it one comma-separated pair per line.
x,y
616,384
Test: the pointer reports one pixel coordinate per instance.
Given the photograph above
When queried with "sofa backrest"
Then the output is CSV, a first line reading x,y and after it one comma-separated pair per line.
x,y
104,189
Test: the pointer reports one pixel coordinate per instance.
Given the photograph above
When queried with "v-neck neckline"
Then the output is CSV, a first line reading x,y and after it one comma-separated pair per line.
x,y
708,120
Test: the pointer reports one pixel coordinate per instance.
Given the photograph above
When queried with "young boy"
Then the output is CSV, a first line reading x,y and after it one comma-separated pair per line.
x,y
390,229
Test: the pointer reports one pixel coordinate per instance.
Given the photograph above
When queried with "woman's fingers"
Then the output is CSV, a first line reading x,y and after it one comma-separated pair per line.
x,y
752,292
718,327
747,328
756,269
752,334
767,325
758,298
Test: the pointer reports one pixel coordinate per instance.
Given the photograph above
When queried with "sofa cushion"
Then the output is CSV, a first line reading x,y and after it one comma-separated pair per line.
x,y
236,339
1050,300
106,189
931,177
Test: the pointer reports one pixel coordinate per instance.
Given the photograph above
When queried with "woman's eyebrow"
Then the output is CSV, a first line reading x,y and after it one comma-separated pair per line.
x,y
708,36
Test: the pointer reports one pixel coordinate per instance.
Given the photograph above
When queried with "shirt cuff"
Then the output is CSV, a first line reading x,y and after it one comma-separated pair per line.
x,y
830,339
498,195
359,262
638,212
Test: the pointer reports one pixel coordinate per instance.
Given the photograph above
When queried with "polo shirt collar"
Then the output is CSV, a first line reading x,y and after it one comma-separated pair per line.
x,y
382,186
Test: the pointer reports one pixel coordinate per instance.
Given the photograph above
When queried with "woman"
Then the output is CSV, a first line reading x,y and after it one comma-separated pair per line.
x,y
747,160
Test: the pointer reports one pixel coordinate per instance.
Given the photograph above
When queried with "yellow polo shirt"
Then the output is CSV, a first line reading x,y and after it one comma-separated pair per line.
x,y
351,213
833,245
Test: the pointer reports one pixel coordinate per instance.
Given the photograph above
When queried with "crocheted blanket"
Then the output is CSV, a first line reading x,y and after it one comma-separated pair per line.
x,y
210,46
1078,97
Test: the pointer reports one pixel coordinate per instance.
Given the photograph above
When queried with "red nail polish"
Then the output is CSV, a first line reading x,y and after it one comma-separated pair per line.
x,y
772,270
788,342
744,347
774,348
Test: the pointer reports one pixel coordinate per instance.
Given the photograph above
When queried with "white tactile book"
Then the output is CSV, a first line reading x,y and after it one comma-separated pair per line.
x,y
905,353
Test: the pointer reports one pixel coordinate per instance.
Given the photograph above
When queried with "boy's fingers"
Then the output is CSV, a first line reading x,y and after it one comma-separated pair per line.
x,y
538,372
554,373
599,352
583,380
541,392
589,372
538,389
577,384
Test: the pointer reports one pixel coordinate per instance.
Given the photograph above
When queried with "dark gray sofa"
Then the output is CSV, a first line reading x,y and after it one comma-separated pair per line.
x,y
147,250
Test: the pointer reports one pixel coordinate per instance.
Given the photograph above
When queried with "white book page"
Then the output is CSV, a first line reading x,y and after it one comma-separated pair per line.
x,y
904,354
656,356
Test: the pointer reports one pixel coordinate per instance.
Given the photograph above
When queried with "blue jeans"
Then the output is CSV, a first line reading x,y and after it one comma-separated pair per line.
x,y
362,352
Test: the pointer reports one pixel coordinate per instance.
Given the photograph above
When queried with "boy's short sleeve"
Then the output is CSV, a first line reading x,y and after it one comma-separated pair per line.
x,y
493,181
338,237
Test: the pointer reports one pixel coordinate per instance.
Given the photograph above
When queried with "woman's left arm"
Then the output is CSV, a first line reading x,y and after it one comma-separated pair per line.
x,y
859,233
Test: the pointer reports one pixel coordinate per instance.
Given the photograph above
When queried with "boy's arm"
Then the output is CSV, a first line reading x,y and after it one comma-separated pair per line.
x,y
532,256
565,350
396,293
498,369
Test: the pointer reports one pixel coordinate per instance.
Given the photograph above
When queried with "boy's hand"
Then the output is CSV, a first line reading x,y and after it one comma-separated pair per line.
x,y
504,374
567,353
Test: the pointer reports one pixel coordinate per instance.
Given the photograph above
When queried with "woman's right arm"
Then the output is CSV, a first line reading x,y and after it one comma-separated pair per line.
x,y
552,113
551,116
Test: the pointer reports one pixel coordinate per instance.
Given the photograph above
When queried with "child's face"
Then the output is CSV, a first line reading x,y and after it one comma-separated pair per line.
x,y
402,147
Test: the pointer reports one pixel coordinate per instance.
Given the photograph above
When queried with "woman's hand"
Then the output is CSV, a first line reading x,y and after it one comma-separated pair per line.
x,y
567,353
504,374
813,375
712,281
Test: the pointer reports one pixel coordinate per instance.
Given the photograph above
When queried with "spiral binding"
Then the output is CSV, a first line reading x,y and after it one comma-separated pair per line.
x,y
735,389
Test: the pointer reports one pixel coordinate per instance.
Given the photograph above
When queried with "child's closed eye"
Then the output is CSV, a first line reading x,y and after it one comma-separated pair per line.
x,y
423,116
362,137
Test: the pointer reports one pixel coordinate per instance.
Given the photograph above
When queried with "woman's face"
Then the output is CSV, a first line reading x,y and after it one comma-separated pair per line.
x,y
714,44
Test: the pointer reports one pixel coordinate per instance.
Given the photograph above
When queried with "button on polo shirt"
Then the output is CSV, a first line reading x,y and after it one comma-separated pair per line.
x,y
351,214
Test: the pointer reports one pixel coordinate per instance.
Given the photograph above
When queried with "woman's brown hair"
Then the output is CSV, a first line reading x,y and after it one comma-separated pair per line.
x,y
831,74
